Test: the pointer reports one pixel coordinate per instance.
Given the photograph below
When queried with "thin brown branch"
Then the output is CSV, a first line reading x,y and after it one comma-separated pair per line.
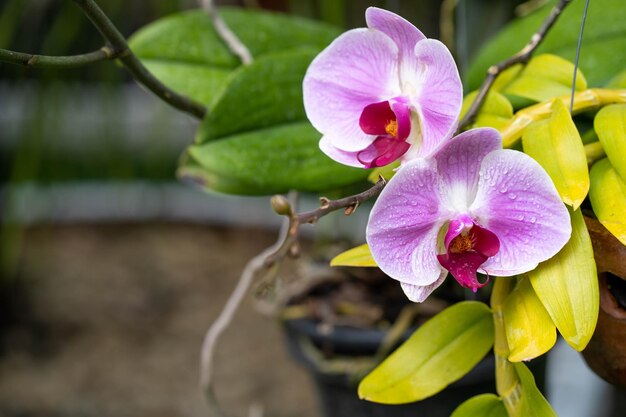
x,y
228,36
116,42
289,245
522,57
44,61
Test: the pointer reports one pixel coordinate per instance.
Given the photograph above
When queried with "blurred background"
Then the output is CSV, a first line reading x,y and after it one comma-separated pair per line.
x,y
110,270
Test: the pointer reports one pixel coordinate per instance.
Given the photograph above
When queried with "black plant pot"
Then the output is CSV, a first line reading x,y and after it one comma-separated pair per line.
x,y
338,391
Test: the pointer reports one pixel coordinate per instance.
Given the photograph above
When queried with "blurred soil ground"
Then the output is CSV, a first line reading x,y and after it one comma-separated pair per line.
x,y
111,319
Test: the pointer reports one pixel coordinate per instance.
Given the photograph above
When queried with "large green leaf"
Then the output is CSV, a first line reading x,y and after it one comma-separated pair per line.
x,y
608,198
485,405
266,161
530,331
184,51
567,285
440,352
555,143
605,34
264,93
199,82
610,125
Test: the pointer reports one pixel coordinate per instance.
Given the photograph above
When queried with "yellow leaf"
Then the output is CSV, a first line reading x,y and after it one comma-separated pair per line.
x,y
610,125
386,172
530,331
555,143
544,77
359,256
440,352
567,286
495,112
608,198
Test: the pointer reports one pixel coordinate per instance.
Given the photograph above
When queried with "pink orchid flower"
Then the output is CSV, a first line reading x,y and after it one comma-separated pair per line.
x,y
382,93
473,207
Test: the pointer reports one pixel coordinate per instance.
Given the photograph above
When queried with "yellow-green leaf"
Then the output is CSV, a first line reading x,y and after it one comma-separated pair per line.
x,y
610,125
567,286
555,143
485,405
608,198
495,112
440,352
546,76
359,256
532,402
530,331
387,172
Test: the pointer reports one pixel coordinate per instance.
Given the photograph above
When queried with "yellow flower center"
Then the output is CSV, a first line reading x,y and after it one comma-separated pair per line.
x,y
392,128
462,243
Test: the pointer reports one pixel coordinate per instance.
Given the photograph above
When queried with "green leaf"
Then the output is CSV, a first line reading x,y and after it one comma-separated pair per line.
x,y
608,198
267,161
264,93
495,112
359,256
485,405
605,33
530,331
544,77
532,402
387,172
199,82
610,125
567,286
440,352
555,143
189,36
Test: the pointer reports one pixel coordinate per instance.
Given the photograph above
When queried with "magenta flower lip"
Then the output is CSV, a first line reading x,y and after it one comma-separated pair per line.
x,y
471,208
382,93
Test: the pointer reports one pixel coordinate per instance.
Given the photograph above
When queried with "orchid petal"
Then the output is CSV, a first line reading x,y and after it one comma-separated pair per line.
x,y
459,162
400,30
418,293
400,107
336,154
463,267
357,69
404,225
517,201
382,152
376,117
439,92
456,227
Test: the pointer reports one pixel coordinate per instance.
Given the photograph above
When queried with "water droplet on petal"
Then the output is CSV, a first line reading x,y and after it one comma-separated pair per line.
x,y
512,196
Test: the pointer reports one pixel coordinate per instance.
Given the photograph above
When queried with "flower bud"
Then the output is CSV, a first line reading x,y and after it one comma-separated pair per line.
x,y
280,205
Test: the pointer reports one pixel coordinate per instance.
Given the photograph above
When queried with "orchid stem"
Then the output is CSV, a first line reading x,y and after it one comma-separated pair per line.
x,y
522,57
116,40
45,61
594,152
590,99
508,383
116,48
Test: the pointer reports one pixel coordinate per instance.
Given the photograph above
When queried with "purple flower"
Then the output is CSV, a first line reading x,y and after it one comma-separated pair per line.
x,y
472,207
382,93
